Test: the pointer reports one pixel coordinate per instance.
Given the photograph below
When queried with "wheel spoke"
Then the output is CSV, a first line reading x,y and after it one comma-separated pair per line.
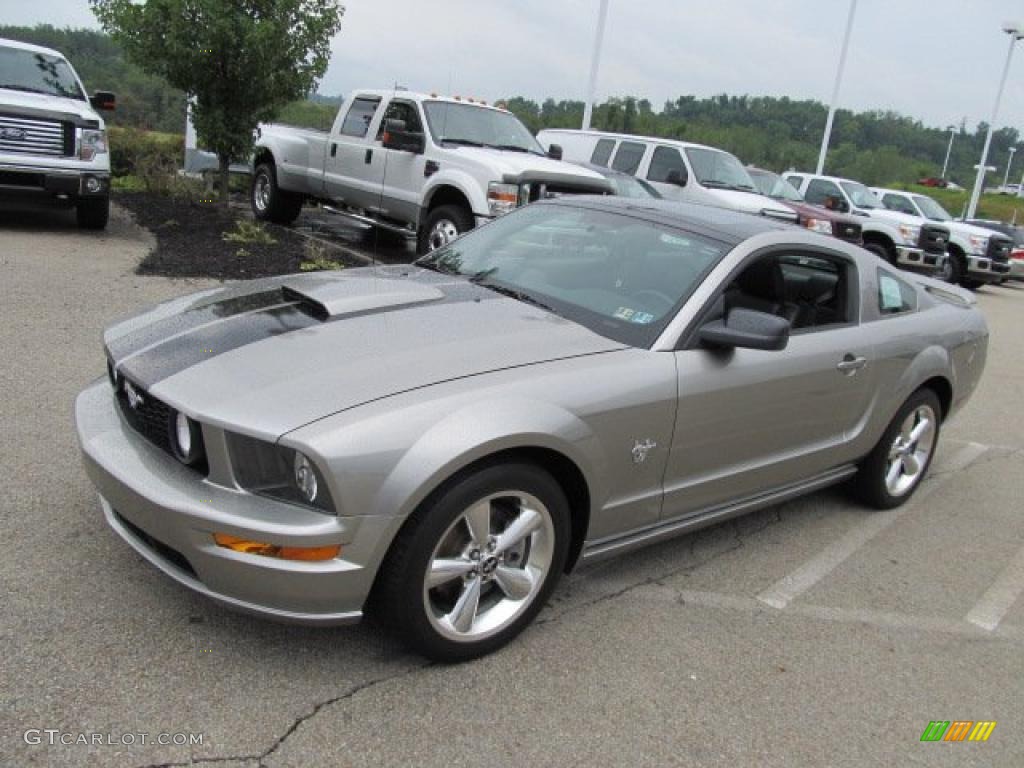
x,y
464,613
894,472
911,464
922,426
908,425
526,523
516,583
478,520
444,569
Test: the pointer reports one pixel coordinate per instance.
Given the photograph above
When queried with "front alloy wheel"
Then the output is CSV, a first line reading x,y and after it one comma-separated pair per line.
x,y
911,451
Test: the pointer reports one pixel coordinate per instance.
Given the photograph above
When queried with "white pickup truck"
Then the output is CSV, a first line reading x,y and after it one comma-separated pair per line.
x,y
53,143
977,256
419,164
904,241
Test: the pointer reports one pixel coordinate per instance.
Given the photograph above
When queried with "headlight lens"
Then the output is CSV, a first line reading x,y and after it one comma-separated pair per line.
x,y
819,225
910,234
279,472
979,244
93,143
186,439
502,198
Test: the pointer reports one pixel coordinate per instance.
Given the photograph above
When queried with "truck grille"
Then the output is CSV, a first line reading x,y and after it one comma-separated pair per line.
x,y
999,249
933,239
847,230
28,136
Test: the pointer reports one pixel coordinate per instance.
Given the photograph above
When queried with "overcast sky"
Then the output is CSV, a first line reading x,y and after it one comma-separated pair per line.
x,y
935,60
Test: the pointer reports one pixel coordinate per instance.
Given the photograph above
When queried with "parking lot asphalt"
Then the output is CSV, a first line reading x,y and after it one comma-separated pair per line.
x,y
813,633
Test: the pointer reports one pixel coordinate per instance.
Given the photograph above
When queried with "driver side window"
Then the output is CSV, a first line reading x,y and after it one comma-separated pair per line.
x,y
404,111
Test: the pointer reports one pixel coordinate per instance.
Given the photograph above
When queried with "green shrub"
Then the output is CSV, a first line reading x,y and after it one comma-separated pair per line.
x,y
248,232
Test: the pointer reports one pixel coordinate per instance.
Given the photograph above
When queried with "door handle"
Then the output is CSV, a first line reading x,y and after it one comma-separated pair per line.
x,y
369,156
850,364
334,149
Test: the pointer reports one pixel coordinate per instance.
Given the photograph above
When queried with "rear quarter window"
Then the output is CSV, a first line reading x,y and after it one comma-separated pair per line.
x,y
602,152
894,295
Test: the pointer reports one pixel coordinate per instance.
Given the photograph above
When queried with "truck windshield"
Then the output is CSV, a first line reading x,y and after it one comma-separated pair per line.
x,y
776,187
931,209
34,72
719,170
475,126
861,196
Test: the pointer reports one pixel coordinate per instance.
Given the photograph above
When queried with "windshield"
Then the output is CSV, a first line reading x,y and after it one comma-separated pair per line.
x,y
861,196
478,127
32,72
627,186
622,277
717,169
931,209
775,186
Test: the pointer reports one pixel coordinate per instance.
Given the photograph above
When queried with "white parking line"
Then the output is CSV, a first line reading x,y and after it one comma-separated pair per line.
x,y
794,584
1000,597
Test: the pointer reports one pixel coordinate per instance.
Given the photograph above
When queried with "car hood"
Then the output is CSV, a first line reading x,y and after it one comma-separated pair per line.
x,y
269,356
751,202
894,217
970,230
514,167
42,105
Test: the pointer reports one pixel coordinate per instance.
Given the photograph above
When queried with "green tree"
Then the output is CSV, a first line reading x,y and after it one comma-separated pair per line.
x,y
240,60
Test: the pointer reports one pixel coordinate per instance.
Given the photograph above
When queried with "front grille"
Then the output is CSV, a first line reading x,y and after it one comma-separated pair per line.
x,y
999,249
18,179
149,417
170,554
934,239
849,231
29,136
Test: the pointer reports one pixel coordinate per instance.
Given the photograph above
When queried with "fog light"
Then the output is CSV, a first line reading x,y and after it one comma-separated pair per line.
x,y
305,477
186,439
93,185
309,554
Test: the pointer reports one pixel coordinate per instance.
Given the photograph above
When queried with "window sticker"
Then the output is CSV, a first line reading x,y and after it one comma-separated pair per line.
x,y
624,313
892,299
643,318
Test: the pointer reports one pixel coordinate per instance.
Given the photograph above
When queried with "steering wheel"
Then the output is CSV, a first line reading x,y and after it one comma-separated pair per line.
x,y
660,299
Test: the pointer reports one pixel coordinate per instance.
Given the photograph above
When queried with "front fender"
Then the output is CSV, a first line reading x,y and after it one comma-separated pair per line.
x,y
463,182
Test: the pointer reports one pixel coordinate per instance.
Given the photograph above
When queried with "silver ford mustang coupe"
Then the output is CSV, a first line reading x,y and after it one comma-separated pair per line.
x,y
436,443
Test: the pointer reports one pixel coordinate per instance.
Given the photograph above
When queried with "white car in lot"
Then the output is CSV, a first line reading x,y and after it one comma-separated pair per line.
x,y
414,163
679,170
904,241
976,255
53,142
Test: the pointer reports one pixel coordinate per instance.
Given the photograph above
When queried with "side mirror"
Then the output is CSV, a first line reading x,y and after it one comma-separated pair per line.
x,y
836,203
555,151
396,136
747,329
103,100
676,178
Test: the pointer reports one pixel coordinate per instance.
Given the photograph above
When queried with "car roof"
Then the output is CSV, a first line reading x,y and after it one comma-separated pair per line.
x,y
635,137
29,47
723,224
389,93
836,179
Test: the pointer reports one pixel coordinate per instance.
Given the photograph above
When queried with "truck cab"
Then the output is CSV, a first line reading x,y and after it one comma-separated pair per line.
x,y
903,241
976,255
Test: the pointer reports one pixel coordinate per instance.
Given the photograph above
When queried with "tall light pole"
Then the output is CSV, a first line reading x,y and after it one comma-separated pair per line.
x,y
595,60
1006,176
835,89
1016,32
949,150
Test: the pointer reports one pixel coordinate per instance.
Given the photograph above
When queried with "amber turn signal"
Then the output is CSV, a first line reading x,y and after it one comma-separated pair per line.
x,y
274,550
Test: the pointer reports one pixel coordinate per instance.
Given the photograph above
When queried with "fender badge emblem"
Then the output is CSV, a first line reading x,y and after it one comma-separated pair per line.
x,y
641,449
134,398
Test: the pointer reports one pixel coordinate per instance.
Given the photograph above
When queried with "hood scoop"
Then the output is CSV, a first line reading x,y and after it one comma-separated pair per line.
x,y
328,297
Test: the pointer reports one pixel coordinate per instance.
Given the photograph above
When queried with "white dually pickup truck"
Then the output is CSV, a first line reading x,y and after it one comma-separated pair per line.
x,y
53,142
419,164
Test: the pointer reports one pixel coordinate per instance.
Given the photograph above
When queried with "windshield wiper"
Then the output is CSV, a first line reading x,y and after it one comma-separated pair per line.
x,y
515,148
480,278
25,88
433,266
461,142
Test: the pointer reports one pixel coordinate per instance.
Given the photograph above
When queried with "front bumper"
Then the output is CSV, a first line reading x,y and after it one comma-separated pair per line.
x,y
985,270
42,186
169,513
916,260
1017,269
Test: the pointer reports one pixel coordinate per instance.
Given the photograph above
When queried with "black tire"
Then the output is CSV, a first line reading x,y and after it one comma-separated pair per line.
x,y
93,212
870,482
400,598
882,252
958,269
458,216
269,202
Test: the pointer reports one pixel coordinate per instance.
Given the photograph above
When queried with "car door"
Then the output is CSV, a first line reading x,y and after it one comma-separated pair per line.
x,y
354,166
750,421
403,171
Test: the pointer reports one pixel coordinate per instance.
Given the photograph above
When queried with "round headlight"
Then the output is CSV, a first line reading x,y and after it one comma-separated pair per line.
x,y
186,439
305,477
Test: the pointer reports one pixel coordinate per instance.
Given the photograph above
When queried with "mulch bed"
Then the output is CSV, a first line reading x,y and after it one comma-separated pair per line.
x,y
190,241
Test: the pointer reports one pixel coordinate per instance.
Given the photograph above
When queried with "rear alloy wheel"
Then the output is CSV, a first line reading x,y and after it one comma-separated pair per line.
x,y
269,202
894,469
444,224
471,569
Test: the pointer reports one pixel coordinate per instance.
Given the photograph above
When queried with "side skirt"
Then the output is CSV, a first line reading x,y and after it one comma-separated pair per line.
x,y
641,537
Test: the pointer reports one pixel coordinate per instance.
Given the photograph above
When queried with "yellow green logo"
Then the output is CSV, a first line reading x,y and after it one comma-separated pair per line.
x,y
958,730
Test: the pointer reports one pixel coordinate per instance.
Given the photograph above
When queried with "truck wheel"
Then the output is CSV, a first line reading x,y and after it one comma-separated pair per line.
x,y
444,224
269,201
475,563
93,212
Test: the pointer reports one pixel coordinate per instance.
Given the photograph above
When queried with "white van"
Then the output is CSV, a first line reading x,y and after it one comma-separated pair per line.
x,y
679,170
